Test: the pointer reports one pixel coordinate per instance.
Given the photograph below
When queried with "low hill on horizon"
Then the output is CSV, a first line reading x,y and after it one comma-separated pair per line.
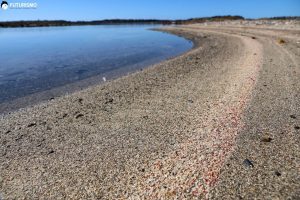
x,y
45,23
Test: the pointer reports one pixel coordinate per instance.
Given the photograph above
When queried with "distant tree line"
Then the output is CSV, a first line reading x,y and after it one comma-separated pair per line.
x,y
209,19
43,23
282,18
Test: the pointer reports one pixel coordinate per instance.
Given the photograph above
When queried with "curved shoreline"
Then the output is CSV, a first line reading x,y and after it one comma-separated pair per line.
x,y
174,130
49,94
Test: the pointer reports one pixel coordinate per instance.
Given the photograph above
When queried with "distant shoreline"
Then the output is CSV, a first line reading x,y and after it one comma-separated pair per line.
x,y
46,23
49,23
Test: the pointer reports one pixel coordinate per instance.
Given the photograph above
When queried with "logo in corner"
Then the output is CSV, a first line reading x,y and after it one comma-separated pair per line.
x,y
4,5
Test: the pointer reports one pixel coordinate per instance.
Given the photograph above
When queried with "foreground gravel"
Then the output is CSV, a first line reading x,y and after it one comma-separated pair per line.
x,y
202,125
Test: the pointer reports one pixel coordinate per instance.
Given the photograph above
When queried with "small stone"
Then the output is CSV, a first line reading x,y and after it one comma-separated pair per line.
x,y
277,173
80,100
247,163
281,41
51,151
297,127
145,117
253,38
110,100
7,132
79,115
31,125
190,101
266,139
293,116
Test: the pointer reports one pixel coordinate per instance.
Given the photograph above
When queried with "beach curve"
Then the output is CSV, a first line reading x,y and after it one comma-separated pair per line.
x,y
164,133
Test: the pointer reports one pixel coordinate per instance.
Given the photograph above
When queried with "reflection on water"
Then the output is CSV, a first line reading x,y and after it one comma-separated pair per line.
x,y
37,59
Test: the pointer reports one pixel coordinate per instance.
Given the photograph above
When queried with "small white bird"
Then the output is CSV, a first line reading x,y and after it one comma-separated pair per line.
x,y
104,79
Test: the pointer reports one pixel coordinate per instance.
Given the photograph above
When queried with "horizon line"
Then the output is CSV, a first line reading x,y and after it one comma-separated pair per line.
x,y
157,19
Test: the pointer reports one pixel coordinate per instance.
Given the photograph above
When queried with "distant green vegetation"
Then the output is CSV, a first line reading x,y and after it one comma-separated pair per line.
x,y
282,18
41,23
209,19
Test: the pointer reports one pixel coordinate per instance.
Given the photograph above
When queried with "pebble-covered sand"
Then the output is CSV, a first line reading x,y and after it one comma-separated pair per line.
x,y
219,122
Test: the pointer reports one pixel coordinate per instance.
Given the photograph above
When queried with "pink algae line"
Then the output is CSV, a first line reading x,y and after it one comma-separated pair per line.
x,y
232,123
211,177
224,132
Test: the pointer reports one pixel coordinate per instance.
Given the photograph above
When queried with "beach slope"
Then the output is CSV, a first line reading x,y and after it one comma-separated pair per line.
x,y
219,122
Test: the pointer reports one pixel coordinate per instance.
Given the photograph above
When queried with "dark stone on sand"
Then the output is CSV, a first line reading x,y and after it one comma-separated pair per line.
x,y
51,151
110,100
248,164
7,132
253,38
293,116
190,101
80,100
277,173
266,139
31,125
297,127
79,115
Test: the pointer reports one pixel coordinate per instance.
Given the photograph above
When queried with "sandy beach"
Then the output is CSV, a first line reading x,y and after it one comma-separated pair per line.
x,y
221,121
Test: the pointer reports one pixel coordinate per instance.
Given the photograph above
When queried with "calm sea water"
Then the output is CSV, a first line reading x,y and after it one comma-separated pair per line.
x,y
39,59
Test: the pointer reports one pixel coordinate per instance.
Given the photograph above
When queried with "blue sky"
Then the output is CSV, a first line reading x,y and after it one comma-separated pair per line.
x,y
159,9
